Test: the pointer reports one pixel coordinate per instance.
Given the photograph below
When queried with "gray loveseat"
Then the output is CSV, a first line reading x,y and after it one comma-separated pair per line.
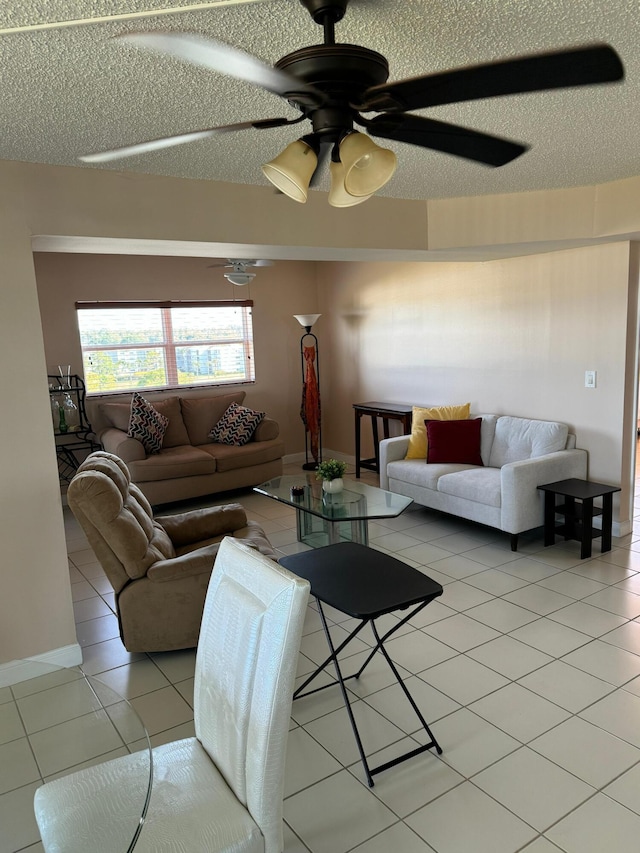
x,y
190,464
518,455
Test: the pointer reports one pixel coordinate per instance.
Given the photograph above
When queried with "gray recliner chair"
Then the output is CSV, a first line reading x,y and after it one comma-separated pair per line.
x,y
159,567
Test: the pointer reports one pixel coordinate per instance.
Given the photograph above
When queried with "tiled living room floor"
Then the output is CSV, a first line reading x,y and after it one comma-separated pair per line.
x,y
528,669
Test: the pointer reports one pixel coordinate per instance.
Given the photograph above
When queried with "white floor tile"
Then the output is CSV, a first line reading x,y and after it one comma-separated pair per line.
x,y
495,582
550,637
470,743
587,751
625,637
487,828
509,657
605,661
618,601
459,567
502,615
398,837
572,585
588,619
538,599
17,765
18,828
307,762
519,712
567,686
463,679
418,651
393,704
511,780
618,714
461,596
462,633
626,789
336,814
598,825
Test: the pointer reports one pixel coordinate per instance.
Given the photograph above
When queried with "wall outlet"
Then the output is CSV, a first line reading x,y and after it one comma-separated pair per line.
x,y
590,379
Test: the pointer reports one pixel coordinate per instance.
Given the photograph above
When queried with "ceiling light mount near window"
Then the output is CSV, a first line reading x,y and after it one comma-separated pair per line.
x,y
239,270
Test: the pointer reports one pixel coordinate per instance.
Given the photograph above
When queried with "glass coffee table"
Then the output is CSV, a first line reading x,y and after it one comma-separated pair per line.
x,y
323,518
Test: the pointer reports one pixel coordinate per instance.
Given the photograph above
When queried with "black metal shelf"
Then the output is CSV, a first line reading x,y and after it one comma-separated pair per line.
x,y
72,445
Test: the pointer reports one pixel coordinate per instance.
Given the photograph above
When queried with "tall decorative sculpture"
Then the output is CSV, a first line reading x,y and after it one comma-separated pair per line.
x,y
310,409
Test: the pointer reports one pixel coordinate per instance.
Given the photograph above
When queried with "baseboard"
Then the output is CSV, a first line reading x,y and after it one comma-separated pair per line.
x,y
21,670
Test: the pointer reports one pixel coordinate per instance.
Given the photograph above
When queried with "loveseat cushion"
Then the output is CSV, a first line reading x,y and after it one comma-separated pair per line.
x,y
516,439
420,474
201,414
175,434
475,484
171,463
228,457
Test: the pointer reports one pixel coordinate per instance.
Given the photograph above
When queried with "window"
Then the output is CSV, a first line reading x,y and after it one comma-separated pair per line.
x,y
129,346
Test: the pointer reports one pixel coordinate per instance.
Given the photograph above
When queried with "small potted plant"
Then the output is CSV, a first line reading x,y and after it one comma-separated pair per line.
x,y
330,472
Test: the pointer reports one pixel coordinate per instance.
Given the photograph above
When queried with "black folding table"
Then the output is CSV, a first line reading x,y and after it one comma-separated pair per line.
x,y
365,584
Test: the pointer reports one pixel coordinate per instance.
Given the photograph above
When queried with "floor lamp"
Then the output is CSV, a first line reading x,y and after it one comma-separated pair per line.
x,y
310,410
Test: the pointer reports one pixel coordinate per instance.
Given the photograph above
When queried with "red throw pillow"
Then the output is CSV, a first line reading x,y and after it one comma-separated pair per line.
x,y
454,441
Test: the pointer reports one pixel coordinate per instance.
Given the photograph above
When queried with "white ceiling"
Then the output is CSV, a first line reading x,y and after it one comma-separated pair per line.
x,y
69,89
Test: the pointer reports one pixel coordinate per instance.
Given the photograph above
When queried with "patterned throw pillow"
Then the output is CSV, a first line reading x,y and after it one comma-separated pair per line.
x,y
147,424
236,426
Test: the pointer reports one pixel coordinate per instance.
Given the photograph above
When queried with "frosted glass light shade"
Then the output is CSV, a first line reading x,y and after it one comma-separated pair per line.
x,y
338,195
367,166
239,277
307,320
292,169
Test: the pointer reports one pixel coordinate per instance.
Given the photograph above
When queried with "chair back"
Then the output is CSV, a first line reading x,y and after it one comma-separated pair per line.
x,y
244,681
117,519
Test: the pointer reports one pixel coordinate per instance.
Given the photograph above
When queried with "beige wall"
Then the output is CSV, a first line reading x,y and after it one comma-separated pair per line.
x,y
35,610
512,336
278,292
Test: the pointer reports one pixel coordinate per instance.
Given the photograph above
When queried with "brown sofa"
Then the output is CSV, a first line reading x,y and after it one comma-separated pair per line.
x,y
190,464
158,567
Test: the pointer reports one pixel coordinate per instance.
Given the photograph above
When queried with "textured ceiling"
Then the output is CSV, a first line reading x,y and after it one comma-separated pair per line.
x,y
69,89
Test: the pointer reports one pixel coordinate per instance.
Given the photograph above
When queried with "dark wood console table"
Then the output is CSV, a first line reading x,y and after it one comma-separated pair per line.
x,y
386,411
578,518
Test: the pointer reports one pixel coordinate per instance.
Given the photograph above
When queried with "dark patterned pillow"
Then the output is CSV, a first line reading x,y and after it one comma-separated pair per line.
x,y
146,424
236,426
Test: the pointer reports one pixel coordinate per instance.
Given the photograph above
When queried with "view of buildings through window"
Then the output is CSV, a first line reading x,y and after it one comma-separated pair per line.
x,y
133,346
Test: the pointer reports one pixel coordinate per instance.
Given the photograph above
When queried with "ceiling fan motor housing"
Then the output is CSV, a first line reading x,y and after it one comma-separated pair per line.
x,y
343,72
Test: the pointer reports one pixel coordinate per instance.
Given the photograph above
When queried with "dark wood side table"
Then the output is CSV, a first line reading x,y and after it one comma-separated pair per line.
x,y
386,411
578,518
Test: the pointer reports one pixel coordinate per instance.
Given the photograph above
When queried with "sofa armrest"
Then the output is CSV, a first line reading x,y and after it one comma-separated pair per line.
x,y
194,563
201,524
120,444
267,430
391,450
522,503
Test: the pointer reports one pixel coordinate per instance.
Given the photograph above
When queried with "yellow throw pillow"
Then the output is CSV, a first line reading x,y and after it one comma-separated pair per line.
x,y
418,439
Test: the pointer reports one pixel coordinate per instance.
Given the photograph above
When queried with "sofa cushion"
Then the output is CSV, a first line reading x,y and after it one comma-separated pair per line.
x,y
425,476
267,430
171,463
228,457
418,440
454,441
236,426
522,438
475,484
201,414
147,424
175,434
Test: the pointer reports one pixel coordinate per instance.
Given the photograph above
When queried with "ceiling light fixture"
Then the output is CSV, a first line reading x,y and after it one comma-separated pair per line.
x,y
239,278
358,168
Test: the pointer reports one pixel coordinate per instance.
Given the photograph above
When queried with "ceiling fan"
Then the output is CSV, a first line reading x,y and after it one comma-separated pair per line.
x,y
334,85
239,270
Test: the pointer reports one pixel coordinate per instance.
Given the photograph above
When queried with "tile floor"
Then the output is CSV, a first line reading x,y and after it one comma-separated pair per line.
x,y
527,668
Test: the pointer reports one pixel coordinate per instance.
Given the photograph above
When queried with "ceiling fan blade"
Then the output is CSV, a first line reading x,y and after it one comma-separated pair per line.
x,y
180,139
228,60
449,138
323,155
579,66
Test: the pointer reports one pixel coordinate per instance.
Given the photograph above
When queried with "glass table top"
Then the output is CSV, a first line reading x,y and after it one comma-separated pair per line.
x,y
70,720
356,501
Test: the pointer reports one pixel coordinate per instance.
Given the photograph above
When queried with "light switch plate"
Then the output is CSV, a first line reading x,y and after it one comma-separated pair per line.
x,y
590,379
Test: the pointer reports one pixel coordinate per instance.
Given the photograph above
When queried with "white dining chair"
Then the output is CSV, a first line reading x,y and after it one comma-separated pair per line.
x,y
221,790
